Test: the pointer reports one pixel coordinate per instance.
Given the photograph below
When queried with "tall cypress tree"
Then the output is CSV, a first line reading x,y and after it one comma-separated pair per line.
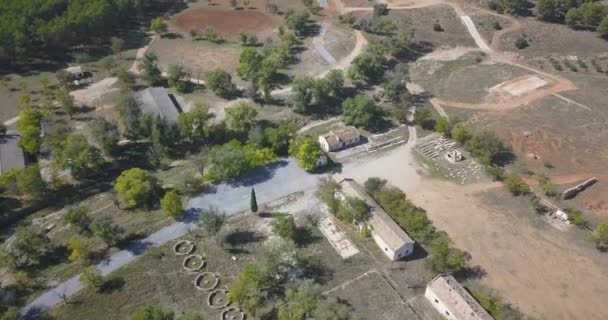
x,y
254,201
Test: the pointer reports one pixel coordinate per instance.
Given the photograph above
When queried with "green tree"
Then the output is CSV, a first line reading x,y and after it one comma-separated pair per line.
x,y
126,79
80,248
27,248
335,82
297,21
78,156
179,78
600,235
149,68
424,118
158,25
332,309
361,111
29,182
368,67
105,134
307,151
91,278
443,125
250,62
300,302
130,113
302,93
136,186
107,231
220,82
241,117
212,221
248,289
152,312
279,138
516,185
279,257
29,128
444,258
171,203
78,218
358,209
602,28
66,101
253,201
284,226
193,125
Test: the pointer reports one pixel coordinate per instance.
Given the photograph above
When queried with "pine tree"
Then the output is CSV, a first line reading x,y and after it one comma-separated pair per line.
x,y
254,201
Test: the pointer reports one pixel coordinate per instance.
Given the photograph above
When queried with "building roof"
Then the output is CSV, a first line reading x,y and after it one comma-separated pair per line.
x,y
383,225
74,70
11,155
457,299
334,137
159,102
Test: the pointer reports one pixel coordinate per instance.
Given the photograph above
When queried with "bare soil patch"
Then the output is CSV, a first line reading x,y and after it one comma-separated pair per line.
x,y
523,257
520,86
227,23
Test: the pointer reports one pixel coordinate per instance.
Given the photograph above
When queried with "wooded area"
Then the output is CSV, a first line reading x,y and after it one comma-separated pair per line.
x,y
46,28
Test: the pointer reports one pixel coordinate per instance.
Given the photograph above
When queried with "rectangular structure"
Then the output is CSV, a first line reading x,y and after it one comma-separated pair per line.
x,y
338,139
159,102
388,235
453,301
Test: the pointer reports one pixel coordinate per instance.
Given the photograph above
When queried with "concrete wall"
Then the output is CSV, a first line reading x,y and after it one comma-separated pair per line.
x,y
384,247
438,304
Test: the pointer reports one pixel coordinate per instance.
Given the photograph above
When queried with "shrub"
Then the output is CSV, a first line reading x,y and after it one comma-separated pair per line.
x,y
496,25
521,43
576,218
516,185
437,27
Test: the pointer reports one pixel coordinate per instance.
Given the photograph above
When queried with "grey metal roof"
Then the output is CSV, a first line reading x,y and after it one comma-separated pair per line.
x,y
157,101
11,155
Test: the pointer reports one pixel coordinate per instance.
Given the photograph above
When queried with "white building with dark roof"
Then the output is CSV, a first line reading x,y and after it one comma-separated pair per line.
x,y
338,139
453,301
11,155
159,102
388,235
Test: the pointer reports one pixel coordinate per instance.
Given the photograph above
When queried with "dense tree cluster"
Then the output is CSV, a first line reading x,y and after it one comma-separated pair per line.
x,y
29,28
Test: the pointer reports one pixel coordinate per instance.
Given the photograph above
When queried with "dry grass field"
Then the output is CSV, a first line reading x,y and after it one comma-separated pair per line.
x,y
421,21
466,79
548,39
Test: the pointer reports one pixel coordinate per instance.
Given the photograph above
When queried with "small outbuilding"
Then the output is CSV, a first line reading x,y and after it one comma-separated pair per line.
x,y
75,72
453,301
338,139
159,102
11,155
388,235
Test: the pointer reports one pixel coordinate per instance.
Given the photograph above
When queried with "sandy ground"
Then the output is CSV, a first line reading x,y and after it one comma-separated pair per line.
x,y
538,268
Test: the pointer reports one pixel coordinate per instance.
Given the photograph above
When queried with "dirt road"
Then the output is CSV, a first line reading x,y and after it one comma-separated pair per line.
x,y
537,267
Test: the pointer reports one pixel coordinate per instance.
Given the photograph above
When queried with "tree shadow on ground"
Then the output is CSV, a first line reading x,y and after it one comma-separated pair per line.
x,y
112,285
237,240
258,175
314,269
304,236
